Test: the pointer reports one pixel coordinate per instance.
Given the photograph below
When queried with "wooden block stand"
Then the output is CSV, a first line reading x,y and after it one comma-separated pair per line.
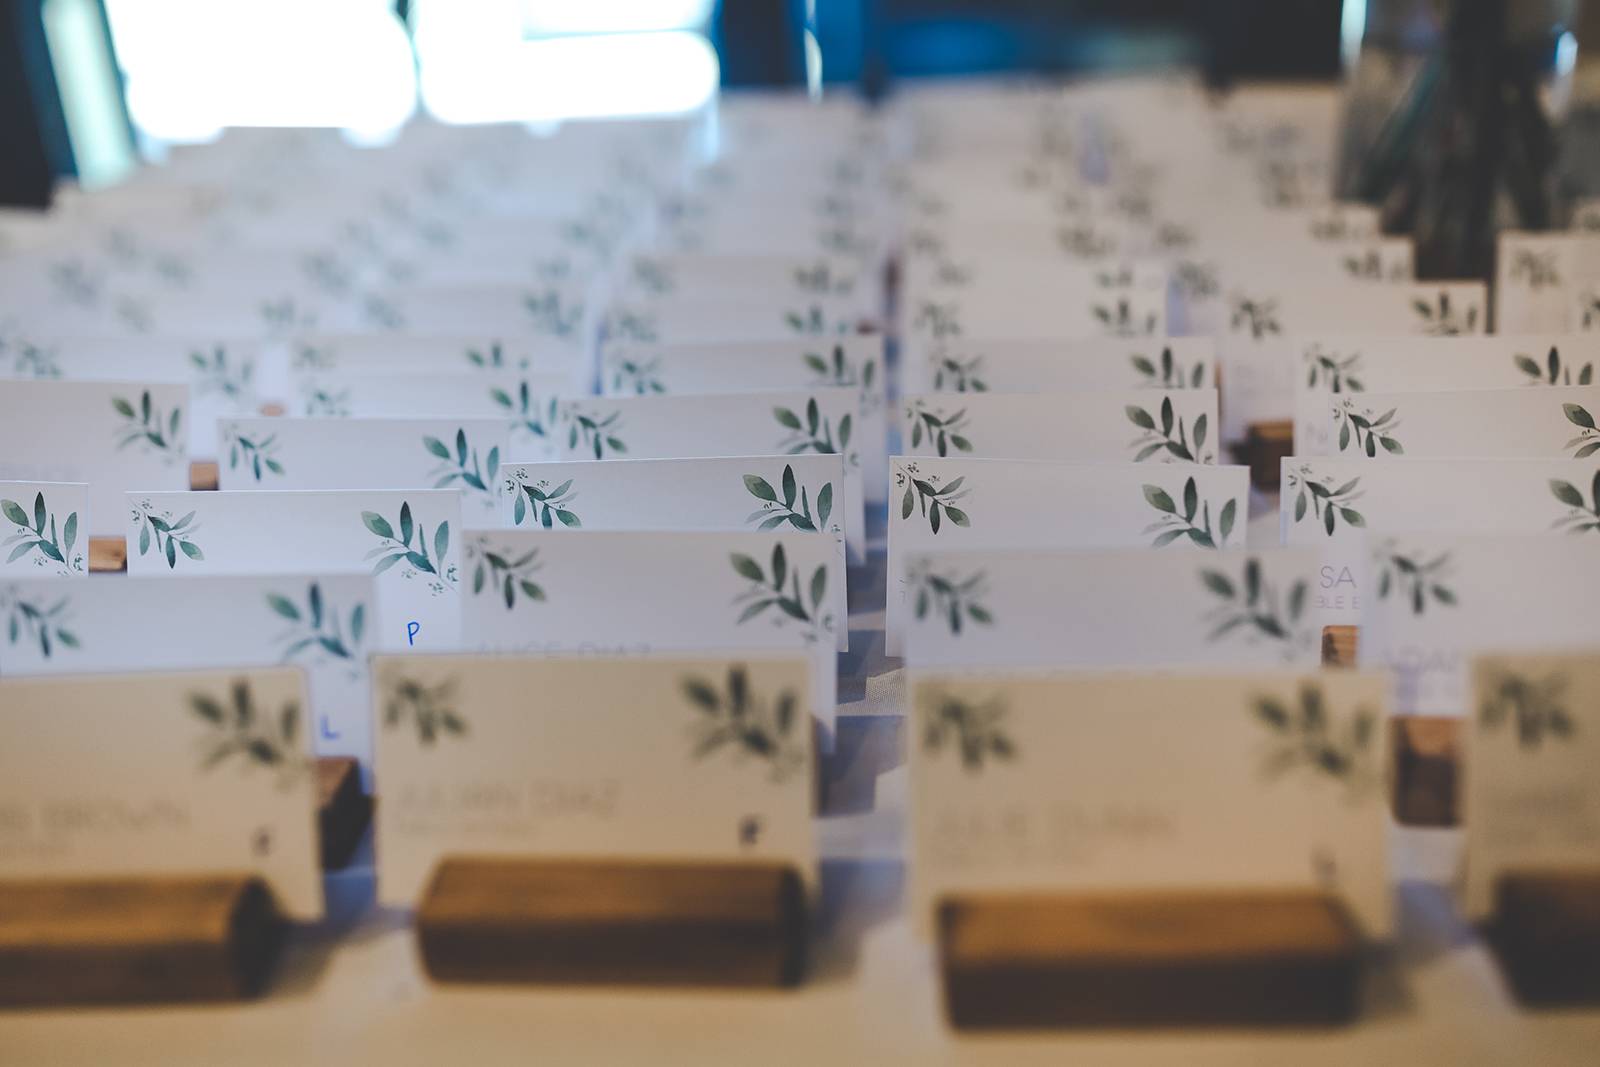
x,y
1148,959
133,940
587,922
1546,934
344,810
1265,446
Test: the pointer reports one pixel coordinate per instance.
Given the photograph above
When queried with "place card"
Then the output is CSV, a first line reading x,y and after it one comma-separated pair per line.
x,y
633,592
649,275
777,423
278,453
1127,425
553,312
1555,421
1440,600
161,774
44,529
954,504
978,365
1056,783
1003,311
717,318
1339,503
1528,783
115,436
1111,608
409,539
368,354
1535,274
703,758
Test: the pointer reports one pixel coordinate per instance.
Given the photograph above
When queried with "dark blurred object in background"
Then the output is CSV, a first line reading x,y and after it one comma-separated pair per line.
x,y
33,131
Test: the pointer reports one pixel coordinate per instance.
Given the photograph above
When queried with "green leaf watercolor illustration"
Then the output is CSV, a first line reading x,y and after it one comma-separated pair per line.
x,y
653,275
1189,517
1587,443
493,357
936,501
241,732
942,428
1326,503
459,466
937,320
953,374
734,718
810,320
503,575
529,414
974,730
1304,735
835,369
783,587
1418,581
318,627
953,597
1251,606
1332,371
30,360
780,504
1168,436
536,499
257,454
641,377
815,433
1119,320
551,313
325,403
601,434
145,425
1365,429
1536,270
627,325
1441,319
167,536
430,709
407,546
1552,371
1258,317
1372,267
216,374
308,356
1536,707
36,534
821,278
1165,372
1583,516
37,622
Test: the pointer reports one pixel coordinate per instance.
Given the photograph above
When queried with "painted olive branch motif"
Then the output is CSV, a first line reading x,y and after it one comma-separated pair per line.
x,y
836,370
624,325
462,464
1587,442
942,430
148,427
52,547
937,502
547,506
1176,522
528,413
1323,500
1336,373
1418,581
1371,265
1552,372
257,454
1366,429
1253,603
652,276
779,509
1260,317
1119,321
493,358
1158,438
397,548
1304,735
808,321
735,717
955,375
45,625
215,374
1584,515
239,729
1537,269
504,575
821,279
1536,707
974,730
953,597
1441,320
31,361
317,626
168,537
815,434
552,314
766,592
639,377
598,434
429,707
1165,372
937,320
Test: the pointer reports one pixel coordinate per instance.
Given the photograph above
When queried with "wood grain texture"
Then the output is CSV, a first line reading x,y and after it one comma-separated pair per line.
x,y
344,810
1427,752
133,940
1546,934
1265,445
204,475
586,922
1339,646
1147,959
108,555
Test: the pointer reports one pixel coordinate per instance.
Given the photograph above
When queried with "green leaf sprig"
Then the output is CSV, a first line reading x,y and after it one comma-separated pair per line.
x,y
1440,319
733,717
1535,706
502,574
32,361
1252,605
529,414
1366,429
1165,372
1260,317
937,320
1118,319
1304,735
1158,436
974,730
1333,372
318,626
955,375
1328,503
1421,582
429,708
239,730
815,433
641,377
547,506
461,464
1180,520
38,534
145,425
1551,372
943,430
599,433
778,505
624,325
216,374
258,454
1584,515
767,590
1536,269
408,545
44,625
953,597
1587,443
166,536
552,314
937,502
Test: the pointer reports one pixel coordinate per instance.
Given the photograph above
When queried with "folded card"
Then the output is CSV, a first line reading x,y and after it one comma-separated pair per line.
x,y
757,315
115,436
1557,421
159,775
956,504
704,758
319,622
1179,782
44,529
1535,274
632,592
1529,791
648,276
384,354
976,365
409,539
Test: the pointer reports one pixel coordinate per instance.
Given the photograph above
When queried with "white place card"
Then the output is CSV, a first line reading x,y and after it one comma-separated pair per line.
x,y
1556,421
1535,275
955,504
44,529
1529,791
631,592
978,365
714,318
278,453
1004,311
1178,782
115,436
410,539
704,758
319,622
648,276
778,423
161,774
368,354
1338,504
1440,600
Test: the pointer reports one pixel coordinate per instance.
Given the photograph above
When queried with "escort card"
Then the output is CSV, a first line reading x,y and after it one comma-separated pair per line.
x,y
633,592
693,759
797,423
1137,425
321,623
1440,600
1535,274
954,504
652,276
367,354
1029,312
1529,792
409,539
975,365
115,436
44,529
1176,782
170,774
1557,421
712,318
462,454
1111,608
1338,503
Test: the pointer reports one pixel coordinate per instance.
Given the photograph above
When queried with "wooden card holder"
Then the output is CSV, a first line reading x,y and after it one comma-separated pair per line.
x,y
1339,645
344,810
1426,761
1546,934
204,475
108,555
136,940
1265,445
1148,959
592,922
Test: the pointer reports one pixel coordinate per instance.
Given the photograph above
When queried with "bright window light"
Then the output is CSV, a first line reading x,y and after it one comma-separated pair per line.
x,y
548,18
